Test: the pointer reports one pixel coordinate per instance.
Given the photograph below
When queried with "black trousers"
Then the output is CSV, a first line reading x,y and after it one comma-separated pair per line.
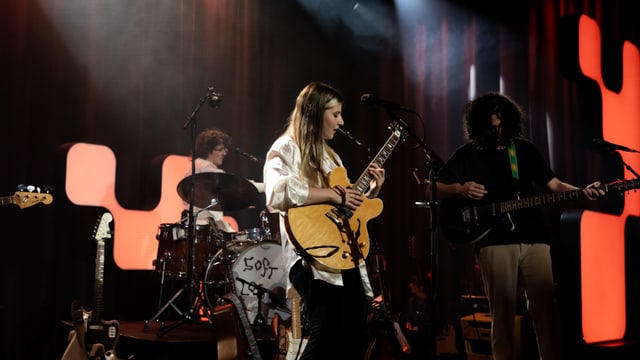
x,y
334,317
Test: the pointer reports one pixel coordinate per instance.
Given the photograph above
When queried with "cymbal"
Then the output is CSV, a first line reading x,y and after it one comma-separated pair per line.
x,y
233,192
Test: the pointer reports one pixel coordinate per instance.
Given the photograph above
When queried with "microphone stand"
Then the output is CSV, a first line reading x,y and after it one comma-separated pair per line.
x,y
624,163
434,164
187,316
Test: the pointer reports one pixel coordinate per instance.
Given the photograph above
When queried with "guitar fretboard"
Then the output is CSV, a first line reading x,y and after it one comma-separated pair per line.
x,y
363,181
545,199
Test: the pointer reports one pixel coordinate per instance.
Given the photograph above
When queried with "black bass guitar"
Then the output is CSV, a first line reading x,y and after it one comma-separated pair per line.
x,y
463,223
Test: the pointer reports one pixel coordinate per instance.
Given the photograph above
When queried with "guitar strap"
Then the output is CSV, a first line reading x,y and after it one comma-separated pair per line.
x,y
513,159
364,276
255,351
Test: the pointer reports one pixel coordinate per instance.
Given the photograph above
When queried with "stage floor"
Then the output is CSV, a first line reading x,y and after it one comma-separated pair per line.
x,y
189,340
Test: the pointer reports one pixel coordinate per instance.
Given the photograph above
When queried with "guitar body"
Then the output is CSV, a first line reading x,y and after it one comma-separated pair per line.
x,y
335,245
105,333
466,224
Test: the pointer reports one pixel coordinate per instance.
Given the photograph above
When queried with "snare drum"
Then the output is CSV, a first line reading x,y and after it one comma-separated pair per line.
x,y
173,249
261,264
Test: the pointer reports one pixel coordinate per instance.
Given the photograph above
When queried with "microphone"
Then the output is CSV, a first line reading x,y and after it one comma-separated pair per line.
x,y
369,99
612,146
352,139
248,156
214,98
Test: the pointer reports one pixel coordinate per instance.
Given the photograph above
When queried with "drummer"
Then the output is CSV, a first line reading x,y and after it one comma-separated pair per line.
x,y
211,147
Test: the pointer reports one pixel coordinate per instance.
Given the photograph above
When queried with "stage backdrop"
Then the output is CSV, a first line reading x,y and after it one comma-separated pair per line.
x,y
125,76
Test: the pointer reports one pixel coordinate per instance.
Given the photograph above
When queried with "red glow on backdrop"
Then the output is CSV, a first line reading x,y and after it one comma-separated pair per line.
x,y
602,240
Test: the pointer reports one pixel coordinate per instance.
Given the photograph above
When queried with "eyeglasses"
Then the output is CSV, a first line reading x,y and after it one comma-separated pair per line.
x,y
221,148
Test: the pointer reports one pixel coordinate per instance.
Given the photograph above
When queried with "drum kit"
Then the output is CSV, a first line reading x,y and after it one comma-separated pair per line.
x,y
246,263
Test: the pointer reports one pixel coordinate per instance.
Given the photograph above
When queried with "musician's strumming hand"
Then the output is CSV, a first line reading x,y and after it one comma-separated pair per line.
x,y
472,190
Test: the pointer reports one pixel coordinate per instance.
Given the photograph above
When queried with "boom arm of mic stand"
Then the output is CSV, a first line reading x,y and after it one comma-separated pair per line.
x,y
625,164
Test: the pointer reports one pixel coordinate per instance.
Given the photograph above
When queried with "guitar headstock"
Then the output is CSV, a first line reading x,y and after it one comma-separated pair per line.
x,y
398,129
29,195
102,230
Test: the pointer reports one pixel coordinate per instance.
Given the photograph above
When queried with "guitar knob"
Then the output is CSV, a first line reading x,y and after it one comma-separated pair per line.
x,y
346,254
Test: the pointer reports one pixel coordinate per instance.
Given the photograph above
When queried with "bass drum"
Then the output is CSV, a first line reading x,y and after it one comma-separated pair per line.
x,y
258,268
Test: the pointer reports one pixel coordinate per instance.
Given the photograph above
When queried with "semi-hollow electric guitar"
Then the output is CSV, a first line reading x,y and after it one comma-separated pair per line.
x,y
94,330
333,236
467,224
27,197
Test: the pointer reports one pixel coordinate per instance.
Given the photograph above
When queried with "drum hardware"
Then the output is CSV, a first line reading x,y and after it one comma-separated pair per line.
x,y
264,221
185,216
173,261
270,222
259,322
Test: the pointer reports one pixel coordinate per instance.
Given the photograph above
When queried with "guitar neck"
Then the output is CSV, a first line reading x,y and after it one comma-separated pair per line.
x,y
529,202
98,282
296,322
6,200
381,157
556,197
101,232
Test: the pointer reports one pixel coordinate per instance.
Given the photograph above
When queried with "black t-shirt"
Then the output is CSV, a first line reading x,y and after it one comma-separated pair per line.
x,y
492,168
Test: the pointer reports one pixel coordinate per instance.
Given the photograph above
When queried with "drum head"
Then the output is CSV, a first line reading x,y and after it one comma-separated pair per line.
x,y
261,264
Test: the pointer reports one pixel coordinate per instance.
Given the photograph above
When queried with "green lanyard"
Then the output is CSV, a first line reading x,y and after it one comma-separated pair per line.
x,y
514,161
514,167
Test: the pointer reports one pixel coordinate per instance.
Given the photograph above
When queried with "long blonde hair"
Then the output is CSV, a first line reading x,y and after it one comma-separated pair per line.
x,y
305,127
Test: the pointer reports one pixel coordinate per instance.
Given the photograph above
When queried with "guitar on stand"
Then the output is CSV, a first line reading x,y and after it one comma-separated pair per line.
x,y
290,340
97,336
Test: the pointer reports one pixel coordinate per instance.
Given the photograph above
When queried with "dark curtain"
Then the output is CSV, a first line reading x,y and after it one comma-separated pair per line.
x,y
127,74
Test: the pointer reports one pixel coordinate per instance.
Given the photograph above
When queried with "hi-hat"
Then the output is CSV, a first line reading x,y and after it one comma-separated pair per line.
x,y
232,192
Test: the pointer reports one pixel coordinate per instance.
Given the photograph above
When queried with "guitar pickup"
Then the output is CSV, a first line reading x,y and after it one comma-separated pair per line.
x,y
333,216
